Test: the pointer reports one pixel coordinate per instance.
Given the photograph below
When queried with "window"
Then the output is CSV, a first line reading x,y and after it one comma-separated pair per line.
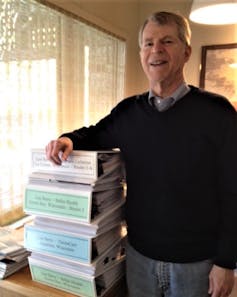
x,y
57,73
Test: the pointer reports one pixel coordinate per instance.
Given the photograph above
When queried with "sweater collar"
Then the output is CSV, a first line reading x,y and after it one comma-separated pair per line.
x,y
179,93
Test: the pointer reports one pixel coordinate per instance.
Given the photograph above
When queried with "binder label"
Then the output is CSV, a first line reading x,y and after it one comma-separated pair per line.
x,y
69,283
60,204
58,244
83,164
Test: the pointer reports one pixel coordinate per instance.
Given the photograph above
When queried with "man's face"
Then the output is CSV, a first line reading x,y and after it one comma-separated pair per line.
x,y
163,54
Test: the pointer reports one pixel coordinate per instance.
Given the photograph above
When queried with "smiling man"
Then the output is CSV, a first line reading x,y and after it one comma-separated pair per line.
x,y
163,55
179,145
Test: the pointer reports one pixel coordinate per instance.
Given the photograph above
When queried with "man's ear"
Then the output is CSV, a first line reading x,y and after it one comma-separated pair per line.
x,y
188,52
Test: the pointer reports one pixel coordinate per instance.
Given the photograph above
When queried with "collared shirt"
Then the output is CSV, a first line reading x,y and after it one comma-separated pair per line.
x,y
162,104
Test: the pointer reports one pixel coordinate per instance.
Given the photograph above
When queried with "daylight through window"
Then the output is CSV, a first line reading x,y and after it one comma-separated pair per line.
x,y
56,74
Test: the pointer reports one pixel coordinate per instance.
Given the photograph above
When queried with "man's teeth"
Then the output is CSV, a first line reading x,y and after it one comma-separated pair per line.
x,y
155,63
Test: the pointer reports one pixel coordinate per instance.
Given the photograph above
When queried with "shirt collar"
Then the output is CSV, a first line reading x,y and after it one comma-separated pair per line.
x,y
180,92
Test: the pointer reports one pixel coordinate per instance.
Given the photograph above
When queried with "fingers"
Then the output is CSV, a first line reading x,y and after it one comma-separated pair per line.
x,y
210,290
58,150
221,282
67,151
220,292
52,152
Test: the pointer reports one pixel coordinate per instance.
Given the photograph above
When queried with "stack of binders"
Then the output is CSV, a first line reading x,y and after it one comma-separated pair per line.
x,y
77,239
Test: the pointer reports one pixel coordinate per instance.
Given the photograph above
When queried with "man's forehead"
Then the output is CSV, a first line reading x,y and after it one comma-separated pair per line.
x,y
153,28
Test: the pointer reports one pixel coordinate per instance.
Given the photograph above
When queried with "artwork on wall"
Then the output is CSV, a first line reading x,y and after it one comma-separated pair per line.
x,y
219,70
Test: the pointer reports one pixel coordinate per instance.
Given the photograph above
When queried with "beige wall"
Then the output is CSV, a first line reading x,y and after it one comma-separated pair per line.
x,y
124,18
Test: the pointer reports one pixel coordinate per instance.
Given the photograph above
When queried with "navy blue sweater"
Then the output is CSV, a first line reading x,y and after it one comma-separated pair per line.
x,y
181,168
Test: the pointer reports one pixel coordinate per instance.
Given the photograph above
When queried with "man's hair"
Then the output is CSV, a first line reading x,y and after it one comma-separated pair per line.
x,y
167,18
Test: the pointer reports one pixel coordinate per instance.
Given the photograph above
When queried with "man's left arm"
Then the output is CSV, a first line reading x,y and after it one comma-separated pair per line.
x,y
221,277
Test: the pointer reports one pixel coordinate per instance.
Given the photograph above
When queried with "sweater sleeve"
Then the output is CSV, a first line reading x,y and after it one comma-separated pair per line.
x,y
227,167
94,137
106,134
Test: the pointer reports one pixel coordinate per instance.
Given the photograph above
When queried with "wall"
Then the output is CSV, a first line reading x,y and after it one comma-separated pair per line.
x,y
124,17
207,35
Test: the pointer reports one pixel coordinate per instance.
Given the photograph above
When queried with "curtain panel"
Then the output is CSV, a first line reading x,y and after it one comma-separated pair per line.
x,y
57,73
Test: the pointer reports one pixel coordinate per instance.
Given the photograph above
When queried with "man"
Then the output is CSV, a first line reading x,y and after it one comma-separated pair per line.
x,y
179,144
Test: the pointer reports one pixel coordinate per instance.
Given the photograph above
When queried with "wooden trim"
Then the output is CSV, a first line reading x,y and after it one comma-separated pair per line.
x,y
84,19
204,55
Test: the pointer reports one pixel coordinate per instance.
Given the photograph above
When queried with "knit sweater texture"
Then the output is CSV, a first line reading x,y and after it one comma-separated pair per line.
x,y
181,169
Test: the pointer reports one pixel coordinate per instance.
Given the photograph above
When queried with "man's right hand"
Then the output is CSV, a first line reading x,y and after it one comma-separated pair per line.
x,y
53,149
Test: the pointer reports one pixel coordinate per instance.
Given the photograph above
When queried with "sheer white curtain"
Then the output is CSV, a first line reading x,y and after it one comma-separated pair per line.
x,y
56,74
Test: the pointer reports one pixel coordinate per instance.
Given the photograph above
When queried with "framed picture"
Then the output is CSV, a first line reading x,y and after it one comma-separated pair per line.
x,y
219,70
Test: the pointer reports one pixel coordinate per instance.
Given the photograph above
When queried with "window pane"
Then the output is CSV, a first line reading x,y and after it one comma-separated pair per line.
x,y
56,74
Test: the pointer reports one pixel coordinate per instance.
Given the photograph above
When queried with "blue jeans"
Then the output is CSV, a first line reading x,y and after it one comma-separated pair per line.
x,y
150,278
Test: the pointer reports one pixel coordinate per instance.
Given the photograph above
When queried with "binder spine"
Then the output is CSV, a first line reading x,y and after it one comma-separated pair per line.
x,y
63,204
59,244
75,284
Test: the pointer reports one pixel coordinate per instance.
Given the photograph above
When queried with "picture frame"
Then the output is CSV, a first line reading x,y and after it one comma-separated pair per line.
x,y
219,70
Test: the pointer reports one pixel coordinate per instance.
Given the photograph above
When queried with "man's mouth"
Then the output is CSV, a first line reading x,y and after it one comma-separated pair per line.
x,y
157,63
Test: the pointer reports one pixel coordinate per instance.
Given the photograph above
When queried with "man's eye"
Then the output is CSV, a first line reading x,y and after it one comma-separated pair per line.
x,y
168,41
148,44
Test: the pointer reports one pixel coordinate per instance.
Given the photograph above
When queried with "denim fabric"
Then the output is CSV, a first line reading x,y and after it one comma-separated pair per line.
x,y
151,278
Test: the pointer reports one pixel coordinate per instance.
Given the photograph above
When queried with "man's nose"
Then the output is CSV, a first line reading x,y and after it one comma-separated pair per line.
x,y
157,47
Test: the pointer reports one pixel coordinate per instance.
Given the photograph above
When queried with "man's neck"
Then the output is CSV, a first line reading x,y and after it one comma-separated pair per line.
x,y
164,90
